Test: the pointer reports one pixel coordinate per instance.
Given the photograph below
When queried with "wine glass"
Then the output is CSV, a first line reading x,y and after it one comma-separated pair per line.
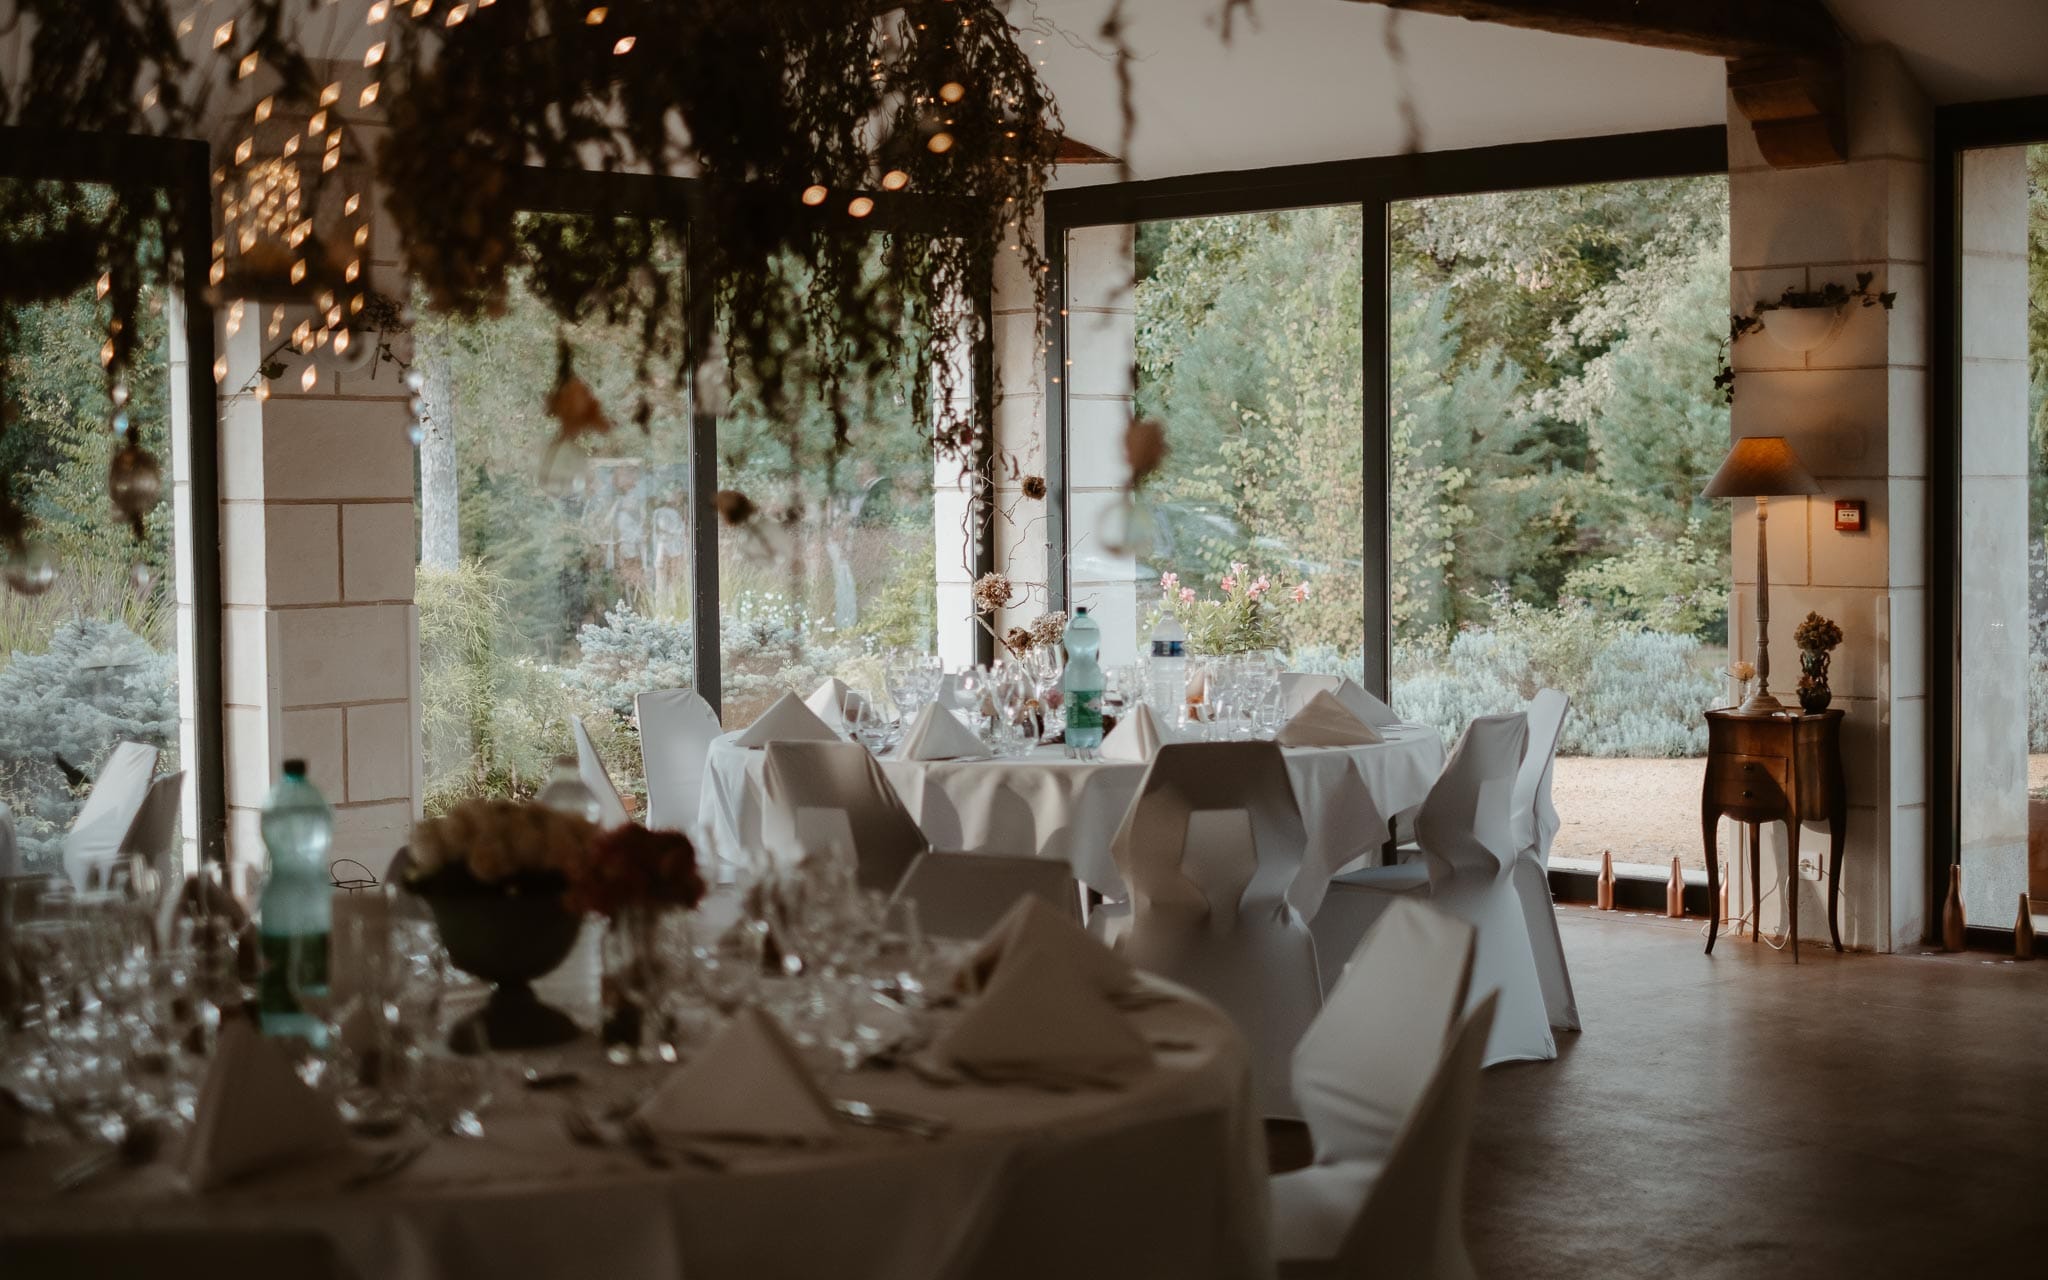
x,y
971,686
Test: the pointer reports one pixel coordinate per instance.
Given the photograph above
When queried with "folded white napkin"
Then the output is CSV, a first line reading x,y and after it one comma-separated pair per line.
x,y
748,1083
255,1113
831,702
948,695
1036,925
1137,737
788,720
1366,707
938,734
1044,1020
1323,721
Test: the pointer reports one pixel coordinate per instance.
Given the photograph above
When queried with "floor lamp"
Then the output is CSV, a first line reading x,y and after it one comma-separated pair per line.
x,y
1761,467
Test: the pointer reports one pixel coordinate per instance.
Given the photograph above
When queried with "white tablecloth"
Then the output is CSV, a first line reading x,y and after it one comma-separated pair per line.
x,y
525,1201
1046,805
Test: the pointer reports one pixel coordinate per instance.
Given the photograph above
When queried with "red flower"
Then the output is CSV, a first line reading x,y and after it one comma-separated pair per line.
x,y
632,866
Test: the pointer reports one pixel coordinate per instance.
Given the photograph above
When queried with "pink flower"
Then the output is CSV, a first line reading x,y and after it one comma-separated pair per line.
x,y
1237,568
1168,581
1187,595
1259,588
1300,592
1229,583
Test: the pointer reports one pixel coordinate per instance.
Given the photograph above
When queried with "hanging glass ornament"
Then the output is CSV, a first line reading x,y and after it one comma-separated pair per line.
x,y
135,482
30,570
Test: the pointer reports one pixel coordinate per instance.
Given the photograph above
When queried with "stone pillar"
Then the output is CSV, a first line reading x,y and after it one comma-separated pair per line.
x,y
1993,512
1855,411
321,637
1100,303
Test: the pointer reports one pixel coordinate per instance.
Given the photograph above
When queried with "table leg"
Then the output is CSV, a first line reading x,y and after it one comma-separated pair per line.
x,y
1792,880
1710,830
1837,837
1756,880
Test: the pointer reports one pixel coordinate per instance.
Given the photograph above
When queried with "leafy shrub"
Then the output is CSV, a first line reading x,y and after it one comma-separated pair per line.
x,y
1635,692
629,654
98,684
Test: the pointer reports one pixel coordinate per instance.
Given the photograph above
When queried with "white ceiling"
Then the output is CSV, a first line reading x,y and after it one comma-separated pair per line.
x,y
1306,80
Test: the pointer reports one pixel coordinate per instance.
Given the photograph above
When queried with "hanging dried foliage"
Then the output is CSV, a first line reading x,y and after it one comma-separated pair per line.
x,y
860,168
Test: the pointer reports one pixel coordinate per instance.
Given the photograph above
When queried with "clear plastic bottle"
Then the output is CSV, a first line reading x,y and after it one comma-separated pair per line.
x,y
1081,685
1166,685
296,913
565,792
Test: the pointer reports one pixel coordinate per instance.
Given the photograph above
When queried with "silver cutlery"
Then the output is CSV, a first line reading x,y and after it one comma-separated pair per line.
x,y
854,1111
385,1165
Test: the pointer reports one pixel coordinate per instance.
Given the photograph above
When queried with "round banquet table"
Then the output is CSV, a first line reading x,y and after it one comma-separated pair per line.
x,y
1048,805
1167,1169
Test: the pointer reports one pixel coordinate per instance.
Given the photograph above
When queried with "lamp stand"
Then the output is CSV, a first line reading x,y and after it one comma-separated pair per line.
x,y
1761,703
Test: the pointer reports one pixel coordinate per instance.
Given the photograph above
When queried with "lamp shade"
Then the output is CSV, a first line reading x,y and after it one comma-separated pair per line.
x,y
1760,467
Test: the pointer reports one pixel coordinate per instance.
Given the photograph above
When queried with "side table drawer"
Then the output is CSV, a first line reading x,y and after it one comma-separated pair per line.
x,y
1748,782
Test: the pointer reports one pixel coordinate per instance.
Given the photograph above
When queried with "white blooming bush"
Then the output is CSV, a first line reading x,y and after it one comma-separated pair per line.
x,y
97,684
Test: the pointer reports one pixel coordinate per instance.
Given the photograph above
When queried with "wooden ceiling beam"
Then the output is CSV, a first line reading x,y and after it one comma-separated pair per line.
x,y
1717,28
1786,58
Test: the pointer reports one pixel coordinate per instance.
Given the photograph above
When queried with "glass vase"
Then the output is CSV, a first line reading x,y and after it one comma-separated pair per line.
x,y
638,978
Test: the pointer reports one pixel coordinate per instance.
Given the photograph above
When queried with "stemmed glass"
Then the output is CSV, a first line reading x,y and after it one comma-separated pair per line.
x,y
865,721
972,686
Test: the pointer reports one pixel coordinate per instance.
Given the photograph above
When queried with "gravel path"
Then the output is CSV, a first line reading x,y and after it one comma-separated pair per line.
x,y
1643,810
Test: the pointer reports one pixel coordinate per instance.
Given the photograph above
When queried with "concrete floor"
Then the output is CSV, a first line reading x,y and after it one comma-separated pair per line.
x,y
1732,1115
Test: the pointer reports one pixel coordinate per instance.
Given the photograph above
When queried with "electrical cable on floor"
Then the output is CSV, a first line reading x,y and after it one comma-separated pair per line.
x,y
1736,922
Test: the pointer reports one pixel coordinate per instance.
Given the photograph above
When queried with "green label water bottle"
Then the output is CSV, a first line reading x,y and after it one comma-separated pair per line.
x,y
296,912
1082,684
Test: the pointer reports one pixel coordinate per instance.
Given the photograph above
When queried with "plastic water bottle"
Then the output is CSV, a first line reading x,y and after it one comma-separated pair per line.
x,y
296,913
1167,681
1082,683
565,792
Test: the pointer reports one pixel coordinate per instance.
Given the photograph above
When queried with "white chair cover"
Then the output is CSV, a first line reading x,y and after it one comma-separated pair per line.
x,y
1363,1066
1465,830
963,895
1411,1224
813,787
677,729
154,833
1297,687
1209,848
611,810
1536,824
109,810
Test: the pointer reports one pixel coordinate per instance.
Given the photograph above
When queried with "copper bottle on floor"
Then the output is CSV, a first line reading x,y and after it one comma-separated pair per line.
x,y
1952,911
2023,931
1603,893
1674,893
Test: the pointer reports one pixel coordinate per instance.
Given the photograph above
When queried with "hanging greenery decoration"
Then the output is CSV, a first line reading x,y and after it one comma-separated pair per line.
x,y
859,167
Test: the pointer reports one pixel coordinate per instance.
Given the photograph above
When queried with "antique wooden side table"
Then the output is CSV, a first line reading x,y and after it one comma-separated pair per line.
x,y
1781,768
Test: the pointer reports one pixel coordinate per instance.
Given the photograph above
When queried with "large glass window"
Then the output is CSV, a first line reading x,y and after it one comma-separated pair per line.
x,y
835,563
549,586
2003,514
1249,352
92,661
1553,415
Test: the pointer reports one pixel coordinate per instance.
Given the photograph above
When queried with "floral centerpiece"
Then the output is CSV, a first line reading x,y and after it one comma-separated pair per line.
x,y
1816,638
495,874
1240,618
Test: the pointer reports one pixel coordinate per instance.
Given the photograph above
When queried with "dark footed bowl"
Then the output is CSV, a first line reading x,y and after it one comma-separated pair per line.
x,y
506,938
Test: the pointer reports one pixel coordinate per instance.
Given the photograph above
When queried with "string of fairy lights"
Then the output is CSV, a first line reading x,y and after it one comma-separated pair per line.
x,y
290,245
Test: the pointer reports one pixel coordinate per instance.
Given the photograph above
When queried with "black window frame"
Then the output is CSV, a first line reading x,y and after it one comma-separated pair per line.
x,y
2007,122
1373,184
181,169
